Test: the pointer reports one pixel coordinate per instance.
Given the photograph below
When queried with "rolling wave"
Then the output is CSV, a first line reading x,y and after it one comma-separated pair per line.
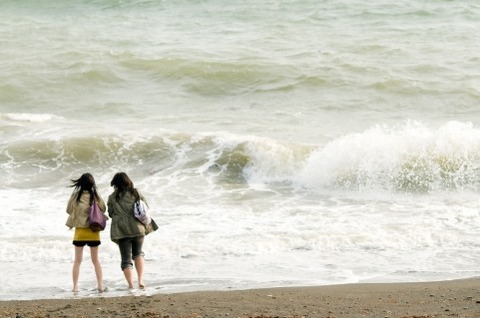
x,y
410,158
231,159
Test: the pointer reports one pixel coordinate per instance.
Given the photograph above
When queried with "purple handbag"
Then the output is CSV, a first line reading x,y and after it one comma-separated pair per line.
x,y
97,221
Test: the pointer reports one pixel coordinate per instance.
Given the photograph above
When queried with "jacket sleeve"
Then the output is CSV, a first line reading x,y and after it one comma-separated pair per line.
x,y
111,211
70,203
101,204
142,198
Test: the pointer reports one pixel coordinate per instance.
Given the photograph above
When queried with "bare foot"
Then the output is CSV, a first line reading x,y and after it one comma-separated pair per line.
x,y
142,285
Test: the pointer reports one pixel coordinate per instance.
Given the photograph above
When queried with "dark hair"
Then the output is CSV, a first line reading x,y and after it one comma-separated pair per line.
x,y
85,183
123,185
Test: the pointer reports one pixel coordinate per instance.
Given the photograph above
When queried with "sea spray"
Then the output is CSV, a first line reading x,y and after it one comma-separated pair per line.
x,y
409,158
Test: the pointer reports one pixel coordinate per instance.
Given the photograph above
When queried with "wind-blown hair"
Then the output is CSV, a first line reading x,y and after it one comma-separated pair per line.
x,y
123,184
85,183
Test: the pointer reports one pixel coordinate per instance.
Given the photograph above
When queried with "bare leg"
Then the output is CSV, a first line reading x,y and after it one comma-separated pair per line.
x,y
76,267
139,265
98,267
128,276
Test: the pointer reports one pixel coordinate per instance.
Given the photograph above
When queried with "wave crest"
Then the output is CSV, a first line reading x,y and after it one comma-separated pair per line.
x,y
223,158
412,158
28,117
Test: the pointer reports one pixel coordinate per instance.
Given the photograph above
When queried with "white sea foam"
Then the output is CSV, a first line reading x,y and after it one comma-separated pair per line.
x,y
29,117
406,158
241,237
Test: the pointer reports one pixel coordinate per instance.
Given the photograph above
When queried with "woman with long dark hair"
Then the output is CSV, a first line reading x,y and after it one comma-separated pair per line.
x,y
84,193
126,230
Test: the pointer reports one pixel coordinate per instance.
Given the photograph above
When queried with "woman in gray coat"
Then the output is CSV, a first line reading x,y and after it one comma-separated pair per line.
x,y
126,230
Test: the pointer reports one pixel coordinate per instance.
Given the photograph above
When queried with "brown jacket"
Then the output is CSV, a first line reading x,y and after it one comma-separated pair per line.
x,y
78,211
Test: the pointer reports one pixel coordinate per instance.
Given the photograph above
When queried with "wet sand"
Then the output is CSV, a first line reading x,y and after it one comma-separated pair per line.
x,y
459,298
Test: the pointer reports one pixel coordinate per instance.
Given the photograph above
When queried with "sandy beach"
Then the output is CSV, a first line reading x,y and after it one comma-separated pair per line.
x,y
459,298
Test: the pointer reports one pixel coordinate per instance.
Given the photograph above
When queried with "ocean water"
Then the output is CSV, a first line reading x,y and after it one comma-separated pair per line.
x,y
279,143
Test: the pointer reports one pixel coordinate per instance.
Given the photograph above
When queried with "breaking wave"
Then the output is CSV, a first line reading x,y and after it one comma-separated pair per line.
x,y
409,158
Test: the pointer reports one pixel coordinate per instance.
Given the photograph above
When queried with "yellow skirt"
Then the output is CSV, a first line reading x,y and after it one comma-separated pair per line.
x,y
85,234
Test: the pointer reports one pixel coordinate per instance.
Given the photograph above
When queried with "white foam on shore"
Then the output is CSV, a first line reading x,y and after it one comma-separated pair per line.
x,y
216,243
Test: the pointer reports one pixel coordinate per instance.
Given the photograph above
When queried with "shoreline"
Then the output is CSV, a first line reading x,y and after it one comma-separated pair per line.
x,y
455,298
